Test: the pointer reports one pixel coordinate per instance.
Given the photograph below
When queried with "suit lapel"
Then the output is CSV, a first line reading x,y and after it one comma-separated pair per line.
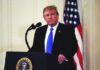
x,y
57,34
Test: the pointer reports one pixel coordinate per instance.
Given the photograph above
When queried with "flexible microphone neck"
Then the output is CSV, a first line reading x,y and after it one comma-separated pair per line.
x,y
30,28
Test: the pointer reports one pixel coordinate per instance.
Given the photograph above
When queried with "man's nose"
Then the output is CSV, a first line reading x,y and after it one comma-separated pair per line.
x,y
50,16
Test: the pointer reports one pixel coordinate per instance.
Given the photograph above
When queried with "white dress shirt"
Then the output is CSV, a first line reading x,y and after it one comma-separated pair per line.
x,y
47,34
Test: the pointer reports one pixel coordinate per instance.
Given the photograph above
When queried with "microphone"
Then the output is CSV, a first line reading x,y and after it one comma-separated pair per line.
x,y
31,27
34,26
38,24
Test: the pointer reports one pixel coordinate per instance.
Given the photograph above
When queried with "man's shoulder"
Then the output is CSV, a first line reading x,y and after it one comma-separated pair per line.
x,y
42,27
66,26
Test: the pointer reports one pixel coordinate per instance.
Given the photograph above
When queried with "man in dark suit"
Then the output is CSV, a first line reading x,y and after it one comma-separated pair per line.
x,y
64,40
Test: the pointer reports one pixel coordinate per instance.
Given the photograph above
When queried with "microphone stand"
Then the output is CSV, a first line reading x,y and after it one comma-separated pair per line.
x,y
31,27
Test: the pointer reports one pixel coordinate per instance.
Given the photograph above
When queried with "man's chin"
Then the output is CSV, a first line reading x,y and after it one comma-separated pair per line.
x,y
52,25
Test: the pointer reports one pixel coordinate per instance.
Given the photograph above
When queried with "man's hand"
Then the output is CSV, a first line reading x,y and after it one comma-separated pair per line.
x,y
61,58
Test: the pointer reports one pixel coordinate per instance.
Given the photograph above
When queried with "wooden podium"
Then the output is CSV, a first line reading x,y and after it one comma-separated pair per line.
x,y
31,61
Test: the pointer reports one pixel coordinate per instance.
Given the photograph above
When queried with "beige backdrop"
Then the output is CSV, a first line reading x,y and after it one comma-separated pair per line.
x,y
17,15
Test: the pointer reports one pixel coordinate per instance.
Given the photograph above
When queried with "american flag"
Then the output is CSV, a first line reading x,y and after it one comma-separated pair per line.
x,y
71,16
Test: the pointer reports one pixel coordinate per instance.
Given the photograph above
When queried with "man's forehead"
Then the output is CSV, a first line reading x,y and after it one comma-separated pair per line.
x,y
48,10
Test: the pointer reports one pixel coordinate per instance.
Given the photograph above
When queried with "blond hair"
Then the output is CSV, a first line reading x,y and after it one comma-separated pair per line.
x,y
51,7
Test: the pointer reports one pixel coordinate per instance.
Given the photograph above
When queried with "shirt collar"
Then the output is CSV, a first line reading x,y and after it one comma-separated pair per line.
x,y
55,27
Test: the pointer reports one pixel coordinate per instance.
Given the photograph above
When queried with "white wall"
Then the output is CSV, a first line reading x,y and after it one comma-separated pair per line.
x,y
15,17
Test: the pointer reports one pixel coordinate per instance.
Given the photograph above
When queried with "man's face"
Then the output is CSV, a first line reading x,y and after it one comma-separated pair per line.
x,y
51,17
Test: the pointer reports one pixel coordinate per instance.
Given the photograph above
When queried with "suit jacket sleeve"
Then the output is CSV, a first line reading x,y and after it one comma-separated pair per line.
x,y
70,43
65,41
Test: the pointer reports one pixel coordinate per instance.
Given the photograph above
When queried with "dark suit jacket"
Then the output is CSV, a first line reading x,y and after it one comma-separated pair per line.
x,y
64,42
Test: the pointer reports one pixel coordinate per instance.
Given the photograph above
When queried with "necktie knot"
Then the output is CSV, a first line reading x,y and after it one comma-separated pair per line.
x,y
51,29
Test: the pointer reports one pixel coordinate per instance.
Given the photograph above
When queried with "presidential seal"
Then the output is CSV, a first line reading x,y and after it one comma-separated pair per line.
x,y
24,63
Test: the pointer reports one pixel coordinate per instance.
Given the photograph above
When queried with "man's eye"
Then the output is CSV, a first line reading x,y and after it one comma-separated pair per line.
x,y
52,14
47,15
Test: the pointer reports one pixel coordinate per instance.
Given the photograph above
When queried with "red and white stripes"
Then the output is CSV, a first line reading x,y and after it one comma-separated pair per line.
x,y
78,58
